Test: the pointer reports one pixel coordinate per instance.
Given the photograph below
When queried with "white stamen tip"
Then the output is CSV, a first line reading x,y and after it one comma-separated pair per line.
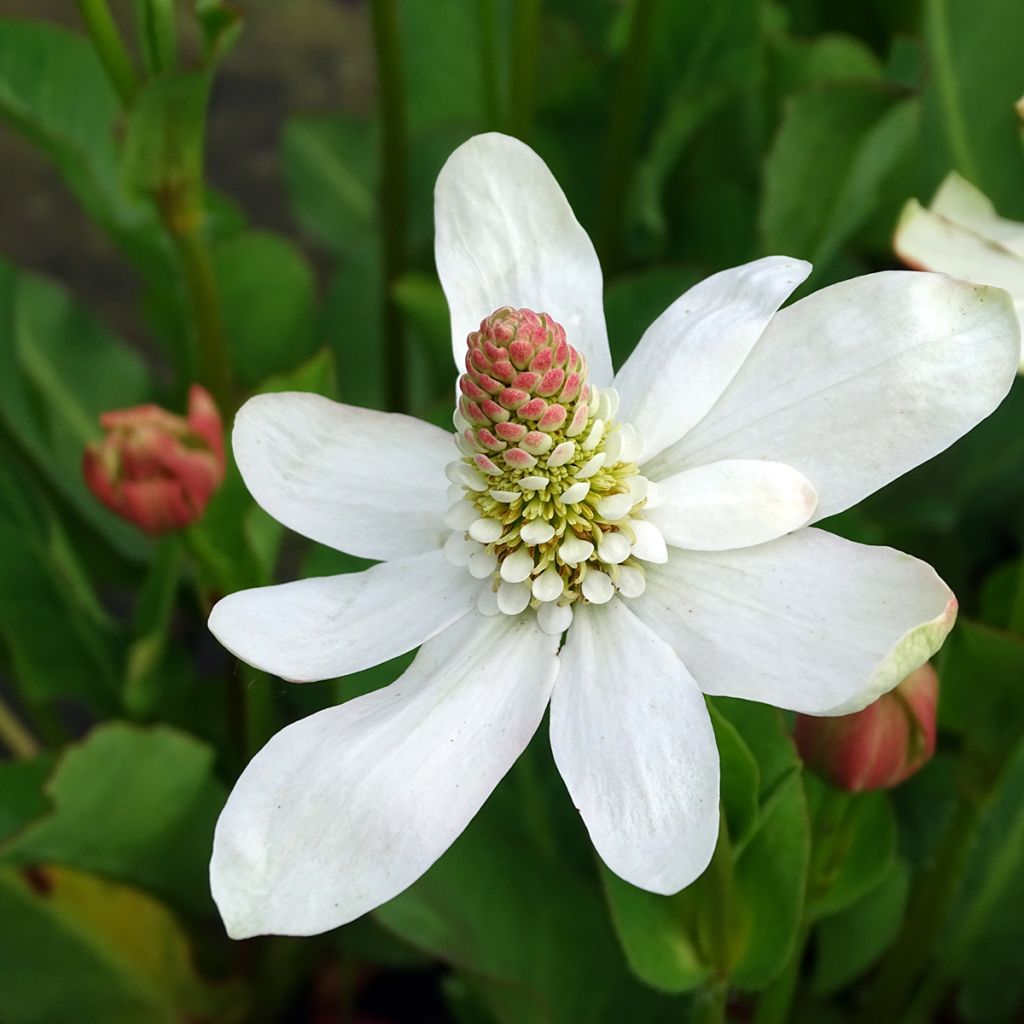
x,y
460,515
597,587
487,601
533,483
593,439
554,619
486,531
482,563
613,548
537,531
576,493
638,487
458,548
591,466
631,581
548,585
513,597
575,550
562,454
506,497
650,544
517,566
615,506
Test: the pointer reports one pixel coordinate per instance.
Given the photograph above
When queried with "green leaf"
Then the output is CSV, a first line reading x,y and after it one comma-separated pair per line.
x,y
851,854
221,24
741,779
973,80
267,294
850,942
132,804
825,172
59,369
73,948
981,701
21,783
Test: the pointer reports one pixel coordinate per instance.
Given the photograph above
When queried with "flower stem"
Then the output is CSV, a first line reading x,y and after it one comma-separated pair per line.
x,y
623,131
709,1004
522,62
393,159
18,740
908,956
107,41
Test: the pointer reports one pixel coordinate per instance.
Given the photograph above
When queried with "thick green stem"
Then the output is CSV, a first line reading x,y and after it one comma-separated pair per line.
x,y
201,287
623,132
392,194
903,965
775,1004
522,62
709,1004
18,740
110,48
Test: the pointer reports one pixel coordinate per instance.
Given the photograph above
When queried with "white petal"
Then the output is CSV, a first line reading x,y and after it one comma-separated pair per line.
x,y
575,492
458,548
548,586
460,515
371,483
513,597
959,201
506,236
597,587
537,531
482,563
809,622
639,760
860,382
591,466
533,483
574,550
650,544
486,530
732,504
487,601
687,357
615,506
614,548
336,625
631,582
562,453
554,619
517,566
343,810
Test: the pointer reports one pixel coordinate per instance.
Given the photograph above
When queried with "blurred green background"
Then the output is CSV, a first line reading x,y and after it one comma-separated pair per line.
x,y
688,136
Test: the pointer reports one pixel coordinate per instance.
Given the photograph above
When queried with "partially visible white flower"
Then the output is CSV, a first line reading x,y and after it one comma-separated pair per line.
x,y
961,234
649,514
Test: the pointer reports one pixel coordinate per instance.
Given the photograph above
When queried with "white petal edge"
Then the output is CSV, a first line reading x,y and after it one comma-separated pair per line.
x,y
686,358
927,240
732,504
859,383
370,483
961,202
632,739
506,236
341,811
809,622
336,625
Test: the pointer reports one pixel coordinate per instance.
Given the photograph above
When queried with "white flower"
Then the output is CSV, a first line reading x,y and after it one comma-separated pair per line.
x,y
672,561
961,234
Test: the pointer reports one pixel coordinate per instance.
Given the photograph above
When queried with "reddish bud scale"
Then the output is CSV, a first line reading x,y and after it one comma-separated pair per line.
x,y
520,370
154,468
879,747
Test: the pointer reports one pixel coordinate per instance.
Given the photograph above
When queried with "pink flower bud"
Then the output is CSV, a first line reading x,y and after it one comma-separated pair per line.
x,y
154,468
879,747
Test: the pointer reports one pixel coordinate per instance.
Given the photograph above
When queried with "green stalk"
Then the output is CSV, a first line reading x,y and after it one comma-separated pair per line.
x,y
107,41
522,62
392,194
624,130
903,965
18,740
157,34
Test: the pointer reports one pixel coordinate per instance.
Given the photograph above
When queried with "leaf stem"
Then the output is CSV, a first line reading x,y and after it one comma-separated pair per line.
x,y
107,41
18,740
393,160
522,63
624,130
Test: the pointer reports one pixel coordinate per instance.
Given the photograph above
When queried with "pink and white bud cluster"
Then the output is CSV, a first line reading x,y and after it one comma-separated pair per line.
x,y
156,469
547,499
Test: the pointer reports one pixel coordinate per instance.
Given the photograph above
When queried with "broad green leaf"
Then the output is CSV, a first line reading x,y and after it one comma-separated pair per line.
x,y
59,369
973,81
54,90
267,294
981,670
741,779
854,848
74,948
21,783
849,942
825,172
134,805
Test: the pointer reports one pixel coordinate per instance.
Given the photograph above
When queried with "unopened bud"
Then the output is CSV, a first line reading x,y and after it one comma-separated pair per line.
x,y
879,747
154,468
